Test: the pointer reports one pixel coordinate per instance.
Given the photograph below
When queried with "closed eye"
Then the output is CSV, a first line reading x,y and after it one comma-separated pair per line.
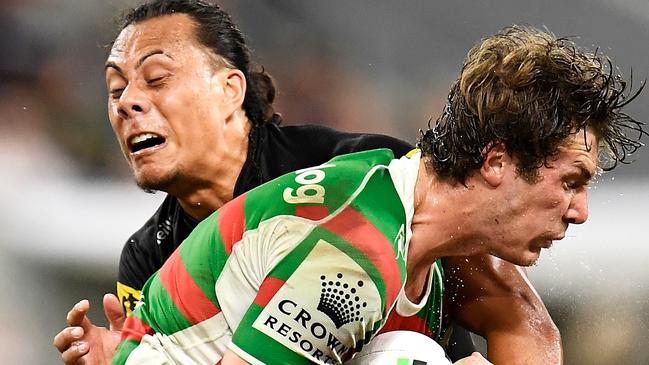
x,y
156,80
569,185
116,93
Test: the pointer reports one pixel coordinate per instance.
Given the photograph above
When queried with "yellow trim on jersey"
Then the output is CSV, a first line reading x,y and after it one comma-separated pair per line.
x,y
128,297
412,152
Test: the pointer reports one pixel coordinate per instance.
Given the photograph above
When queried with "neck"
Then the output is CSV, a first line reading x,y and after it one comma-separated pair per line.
x,y
216,176
202,202
443,225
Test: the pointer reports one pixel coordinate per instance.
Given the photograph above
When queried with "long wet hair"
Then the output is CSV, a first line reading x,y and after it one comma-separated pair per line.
x,y
529,90
216,31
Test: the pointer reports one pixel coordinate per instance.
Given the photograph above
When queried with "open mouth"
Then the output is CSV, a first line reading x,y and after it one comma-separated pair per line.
x,y
143,141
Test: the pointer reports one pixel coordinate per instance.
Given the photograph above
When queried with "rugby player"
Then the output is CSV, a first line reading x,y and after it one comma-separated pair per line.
x,y
309,267
495,299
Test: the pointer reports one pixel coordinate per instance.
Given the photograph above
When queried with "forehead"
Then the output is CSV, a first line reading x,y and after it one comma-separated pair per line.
x,y
580,149
172,34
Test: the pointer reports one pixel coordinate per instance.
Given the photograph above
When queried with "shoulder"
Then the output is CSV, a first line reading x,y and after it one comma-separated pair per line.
x,y
316,191
338,142
144,251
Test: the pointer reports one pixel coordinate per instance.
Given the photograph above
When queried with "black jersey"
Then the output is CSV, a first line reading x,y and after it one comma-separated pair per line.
x,y
272,152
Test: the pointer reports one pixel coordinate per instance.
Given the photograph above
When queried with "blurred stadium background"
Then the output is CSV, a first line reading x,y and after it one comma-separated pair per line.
x,y
68,203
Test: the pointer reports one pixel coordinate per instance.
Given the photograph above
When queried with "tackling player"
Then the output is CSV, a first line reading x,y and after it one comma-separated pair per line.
x,y
311,266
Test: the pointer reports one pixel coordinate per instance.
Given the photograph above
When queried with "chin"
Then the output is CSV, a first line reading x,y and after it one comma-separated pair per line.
x,y
151,183
528,262
529,258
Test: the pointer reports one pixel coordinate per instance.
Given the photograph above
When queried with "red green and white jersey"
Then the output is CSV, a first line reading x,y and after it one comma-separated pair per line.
x,y
306,268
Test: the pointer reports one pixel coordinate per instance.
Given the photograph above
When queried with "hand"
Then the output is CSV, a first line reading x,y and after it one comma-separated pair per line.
x,y
83,343
474,359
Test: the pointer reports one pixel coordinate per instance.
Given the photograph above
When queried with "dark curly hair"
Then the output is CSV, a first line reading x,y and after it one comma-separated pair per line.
x,y
530,90
217,31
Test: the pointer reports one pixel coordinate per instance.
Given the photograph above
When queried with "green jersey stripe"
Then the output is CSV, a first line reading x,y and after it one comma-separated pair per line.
x,y
271,352
159,311
188,297
123,351
380,204
205,257
294,258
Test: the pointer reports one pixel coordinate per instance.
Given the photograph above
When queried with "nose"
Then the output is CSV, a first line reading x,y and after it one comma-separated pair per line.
x,y
577,212
132,102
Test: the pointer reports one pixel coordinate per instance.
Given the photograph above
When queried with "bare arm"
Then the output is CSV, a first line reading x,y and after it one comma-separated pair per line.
x,y
493,298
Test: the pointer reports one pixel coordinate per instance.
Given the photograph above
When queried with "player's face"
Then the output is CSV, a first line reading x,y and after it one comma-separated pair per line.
x,y
165,101
539,213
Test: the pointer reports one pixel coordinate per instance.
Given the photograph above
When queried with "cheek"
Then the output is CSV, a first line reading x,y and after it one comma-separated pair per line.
x,y
555,206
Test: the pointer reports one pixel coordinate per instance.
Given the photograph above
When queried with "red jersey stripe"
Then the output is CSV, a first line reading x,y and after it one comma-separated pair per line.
x,y
353,227
135,329
186,295
232,222
414,323
267,290
313,212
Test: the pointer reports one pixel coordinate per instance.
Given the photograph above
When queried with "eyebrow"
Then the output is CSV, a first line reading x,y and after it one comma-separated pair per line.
x,y
585,173
139,63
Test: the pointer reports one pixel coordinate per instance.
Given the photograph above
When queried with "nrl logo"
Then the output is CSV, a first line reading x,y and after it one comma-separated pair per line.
x,y
339,300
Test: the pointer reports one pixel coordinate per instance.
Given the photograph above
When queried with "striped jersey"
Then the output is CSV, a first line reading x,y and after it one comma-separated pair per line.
x,y
306,268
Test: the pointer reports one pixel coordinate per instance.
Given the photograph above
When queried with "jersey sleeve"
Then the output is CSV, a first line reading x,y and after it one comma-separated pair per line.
x,y
147,249
130,279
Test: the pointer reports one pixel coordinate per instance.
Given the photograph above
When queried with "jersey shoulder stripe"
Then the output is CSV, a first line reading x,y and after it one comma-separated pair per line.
x,y
267,290
232,222
312,193
354,228
188,297
135,329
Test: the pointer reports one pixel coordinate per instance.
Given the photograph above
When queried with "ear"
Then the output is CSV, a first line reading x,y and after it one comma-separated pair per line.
x,y
495,164
234,89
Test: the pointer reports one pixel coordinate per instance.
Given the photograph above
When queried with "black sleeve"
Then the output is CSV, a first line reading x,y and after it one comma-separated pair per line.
x,y
139,259
318,144
150,246
364,142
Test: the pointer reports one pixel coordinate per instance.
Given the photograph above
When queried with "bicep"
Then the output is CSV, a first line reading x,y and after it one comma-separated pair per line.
x,y
487,292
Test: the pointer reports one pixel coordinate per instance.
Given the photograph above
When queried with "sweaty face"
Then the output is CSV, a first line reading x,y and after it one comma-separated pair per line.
x,y
539,213
164,101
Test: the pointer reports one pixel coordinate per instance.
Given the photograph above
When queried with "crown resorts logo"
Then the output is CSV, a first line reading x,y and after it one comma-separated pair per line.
x,y
338,300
